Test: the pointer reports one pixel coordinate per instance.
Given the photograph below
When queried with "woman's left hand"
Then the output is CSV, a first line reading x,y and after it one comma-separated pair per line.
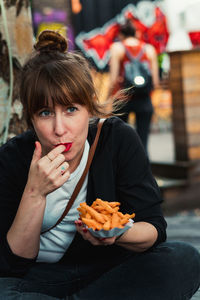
x,y
81,228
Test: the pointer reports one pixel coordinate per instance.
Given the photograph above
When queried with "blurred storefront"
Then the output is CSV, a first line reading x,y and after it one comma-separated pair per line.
x,y
53,15
92,26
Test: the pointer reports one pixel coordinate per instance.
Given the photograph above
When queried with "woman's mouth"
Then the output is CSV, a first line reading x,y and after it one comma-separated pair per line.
x,y
67,146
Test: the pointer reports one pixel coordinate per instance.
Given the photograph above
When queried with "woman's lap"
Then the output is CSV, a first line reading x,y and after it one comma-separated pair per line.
x,y
12,288
169,271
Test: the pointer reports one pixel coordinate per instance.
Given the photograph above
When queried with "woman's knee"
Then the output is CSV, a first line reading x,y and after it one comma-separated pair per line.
x,y
183,263
181,252
9,288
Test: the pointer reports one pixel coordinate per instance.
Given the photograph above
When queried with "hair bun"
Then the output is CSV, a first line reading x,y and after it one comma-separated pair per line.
x,y
50,40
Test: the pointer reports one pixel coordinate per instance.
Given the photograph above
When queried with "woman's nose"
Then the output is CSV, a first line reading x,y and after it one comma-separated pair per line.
x,y
59,126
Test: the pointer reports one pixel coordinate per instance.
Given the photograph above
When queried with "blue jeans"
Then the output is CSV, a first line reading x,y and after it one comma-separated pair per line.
x,y
171,271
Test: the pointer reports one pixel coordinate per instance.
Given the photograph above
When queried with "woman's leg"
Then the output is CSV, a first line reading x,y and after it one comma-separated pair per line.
x,y
10,289
47,281
169,272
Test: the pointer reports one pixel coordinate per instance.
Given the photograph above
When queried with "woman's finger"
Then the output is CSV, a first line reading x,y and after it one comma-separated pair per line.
x,y
37,152
88,236
54,153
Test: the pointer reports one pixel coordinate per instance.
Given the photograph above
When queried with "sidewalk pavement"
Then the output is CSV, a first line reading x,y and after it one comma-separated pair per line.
x,y
184,225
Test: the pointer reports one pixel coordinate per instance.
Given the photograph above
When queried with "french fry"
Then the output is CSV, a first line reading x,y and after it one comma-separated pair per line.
x,y
120,214
107,225
114,204
103,215
124,221
81,210
94,213
92,223
115,221
88,216
105,204
132,216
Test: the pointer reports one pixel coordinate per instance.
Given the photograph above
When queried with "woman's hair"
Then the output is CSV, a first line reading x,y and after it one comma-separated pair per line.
x,y
127,29
53,75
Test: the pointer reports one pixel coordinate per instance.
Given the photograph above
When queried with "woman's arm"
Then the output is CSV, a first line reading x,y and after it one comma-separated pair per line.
x,y
139,237
135,189
44,176
152,56
116,55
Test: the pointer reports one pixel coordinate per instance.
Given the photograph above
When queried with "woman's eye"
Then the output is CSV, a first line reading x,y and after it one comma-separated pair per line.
x,y
71,109
45,113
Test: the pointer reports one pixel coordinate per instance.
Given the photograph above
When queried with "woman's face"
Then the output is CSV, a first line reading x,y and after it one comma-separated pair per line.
x,y
63,125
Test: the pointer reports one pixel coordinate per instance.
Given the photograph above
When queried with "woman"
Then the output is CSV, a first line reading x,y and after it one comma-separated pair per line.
x,y
140,103
38,173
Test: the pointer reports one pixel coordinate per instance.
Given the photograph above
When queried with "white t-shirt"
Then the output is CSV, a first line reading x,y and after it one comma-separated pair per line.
x,y
54,243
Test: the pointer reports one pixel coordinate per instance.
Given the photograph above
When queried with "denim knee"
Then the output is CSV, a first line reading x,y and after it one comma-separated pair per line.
x,y
10,289
184,262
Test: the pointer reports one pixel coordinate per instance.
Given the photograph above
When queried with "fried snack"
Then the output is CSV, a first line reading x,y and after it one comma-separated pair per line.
x,y
94,214
92,223
103,215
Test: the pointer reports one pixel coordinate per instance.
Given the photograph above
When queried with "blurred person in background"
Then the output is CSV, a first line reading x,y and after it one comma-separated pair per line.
x,y
139,104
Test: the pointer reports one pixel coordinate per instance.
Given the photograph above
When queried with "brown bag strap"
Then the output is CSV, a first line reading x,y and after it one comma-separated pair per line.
x,y
81,180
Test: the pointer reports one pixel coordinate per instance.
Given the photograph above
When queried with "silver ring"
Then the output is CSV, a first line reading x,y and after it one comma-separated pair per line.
x,y
49,158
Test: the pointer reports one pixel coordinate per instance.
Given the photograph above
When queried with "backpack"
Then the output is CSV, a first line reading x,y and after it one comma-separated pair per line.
x,y
137,76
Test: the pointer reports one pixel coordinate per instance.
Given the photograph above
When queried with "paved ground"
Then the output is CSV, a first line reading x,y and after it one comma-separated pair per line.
x,y
184,226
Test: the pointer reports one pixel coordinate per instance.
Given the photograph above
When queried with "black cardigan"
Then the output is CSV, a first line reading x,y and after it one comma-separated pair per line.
x,y
120,171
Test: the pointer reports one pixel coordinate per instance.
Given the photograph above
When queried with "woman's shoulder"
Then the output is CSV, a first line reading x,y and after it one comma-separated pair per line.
x,y
118,141
115,131
119,126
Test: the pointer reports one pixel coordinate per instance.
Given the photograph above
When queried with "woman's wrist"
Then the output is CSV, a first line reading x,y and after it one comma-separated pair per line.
x,y
34,194
118,237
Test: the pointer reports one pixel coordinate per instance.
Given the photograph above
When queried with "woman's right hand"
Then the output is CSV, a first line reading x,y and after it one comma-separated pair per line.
x,y
47,173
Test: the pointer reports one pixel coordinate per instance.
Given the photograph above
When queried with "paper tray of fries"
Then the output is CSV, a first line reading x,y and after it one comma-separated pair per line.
x,y
112,232
103,219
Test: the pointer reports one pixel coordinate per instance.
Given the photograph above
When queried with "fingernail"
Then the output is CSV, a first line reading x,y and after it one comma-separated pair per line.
x,y
85,230
78,222
102,239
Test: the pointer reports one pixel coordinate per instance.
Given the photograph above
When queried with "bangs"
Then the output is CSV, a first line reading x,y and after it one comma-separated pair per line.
x,y
52,89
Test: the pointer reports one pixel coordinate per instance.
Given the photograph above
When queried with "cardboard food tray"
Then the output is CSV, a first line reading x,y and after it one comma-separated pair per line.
x,y
110,233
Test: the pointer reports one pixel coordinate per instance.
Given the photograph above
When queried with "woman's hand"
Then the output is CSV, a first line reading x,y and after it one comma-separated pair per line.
x,y
47,173
81,228
140,237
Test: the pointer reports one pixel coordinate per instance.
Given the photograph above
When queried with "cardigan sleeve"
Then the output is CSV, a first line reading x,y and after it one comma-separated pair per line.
x,y
137,189
12,182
